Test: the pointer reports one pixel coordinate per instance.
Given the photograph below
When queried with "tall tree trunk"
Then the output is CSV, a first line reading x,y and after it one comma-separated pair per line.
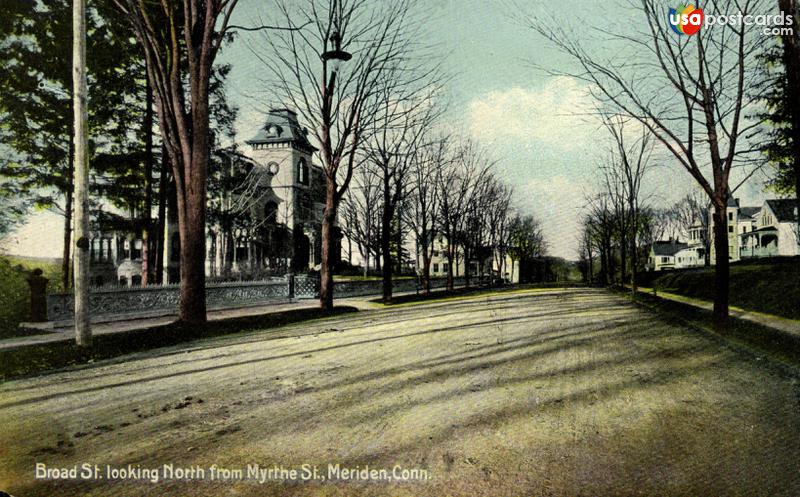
x,y
191,193
603,263
722,267
66,254
634,257
326,271
450,261
386,241
399,233
426,273
163,186
467,255
83,332
349,251
623,257
148,181
191,222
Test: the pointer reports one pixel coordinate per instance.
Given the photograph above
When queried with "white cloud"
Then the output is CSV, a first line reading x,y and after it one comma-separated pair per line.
x,y
554,115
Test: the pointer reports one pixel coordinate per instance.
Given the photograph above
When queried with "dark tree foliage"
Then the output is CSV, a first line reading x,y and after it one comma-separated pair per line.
x,y
777,120
35,99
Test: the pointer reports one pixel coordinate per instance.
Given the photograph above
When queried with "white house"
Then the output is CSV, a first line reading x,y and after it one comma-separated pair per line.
x,y
674,254
736,215
439,264
774,231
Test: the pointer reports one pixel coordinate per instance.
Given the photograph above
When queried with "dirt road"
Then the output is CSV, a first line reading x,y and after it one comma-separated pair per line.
x,y
559,392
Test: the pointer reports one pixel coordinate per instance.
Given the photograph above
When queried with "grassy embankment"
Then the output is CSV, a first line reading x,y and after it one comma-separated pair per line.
x,y
767,286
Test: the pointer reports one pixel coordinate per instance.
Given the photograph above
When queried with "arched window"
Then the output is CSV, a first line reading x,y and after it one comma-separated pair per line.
x,y
302,172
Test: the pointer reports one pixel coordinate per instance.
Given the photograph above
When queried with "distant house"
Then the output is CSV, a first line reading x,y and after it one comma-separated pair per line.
x,y
768,230
739,218
773,232
439,264
674,254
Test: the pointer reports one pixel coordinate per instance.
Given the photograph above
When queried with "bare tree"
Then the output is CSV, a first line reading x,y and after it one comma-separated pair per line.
x,y
630,160
360,214
458,182
180,41
498,222
527,239
404,116
691,92
601,226
339,104
587,252
487,203
424,201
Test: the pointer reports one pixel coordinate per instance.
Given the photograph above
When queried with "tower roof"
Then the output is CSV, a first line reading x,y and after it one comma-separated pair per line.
x,y
281,126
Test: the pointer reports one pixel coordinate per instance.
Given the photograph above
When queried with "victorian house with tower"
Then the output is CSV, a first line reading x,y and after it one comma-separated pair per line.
x,y
268,214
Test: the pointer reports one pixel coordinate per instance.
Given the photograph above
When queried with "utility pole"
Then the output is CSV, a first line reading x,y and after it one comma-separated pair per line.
x,y
83,332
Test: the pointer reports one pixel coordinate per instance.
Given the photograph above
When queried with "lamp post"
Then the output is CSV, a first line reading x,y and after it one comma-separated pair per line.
x,y
333,57
336,56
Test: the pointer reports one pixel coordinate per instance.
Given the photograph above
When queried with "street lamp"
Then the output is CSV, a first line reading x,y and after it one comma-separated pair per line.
x,y
336,56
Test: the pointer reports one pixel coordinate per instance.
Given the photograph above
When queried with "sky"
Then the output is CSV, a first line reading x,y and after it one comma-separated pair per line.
x,y
533,124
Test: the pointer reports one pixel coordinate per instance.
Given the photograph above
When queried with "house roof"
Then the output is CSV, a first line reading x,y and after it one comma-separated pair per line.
x,y
785,209
282,126
749,211
668,248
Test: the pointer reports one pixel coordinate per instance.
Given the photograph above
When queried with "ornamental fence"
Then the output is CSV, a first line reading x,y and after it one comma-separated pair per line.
x,y
121,303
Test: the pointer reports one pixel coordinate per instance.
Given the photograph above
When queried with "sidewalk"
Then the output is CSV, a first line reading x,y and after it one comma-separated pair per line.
x,y
65,333
786,325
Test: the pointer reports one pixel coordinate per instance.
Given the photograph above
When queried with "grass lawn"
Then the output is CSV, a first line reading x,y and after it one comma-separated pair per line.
x,y
747,336
43,357
14,292
764,286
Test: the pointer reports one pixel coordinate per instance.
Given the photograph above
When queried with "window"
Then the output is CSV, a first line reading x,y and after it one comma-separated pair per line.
x,y
435,267
302,172
730,229
664,260
730,216
444,267
271,212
